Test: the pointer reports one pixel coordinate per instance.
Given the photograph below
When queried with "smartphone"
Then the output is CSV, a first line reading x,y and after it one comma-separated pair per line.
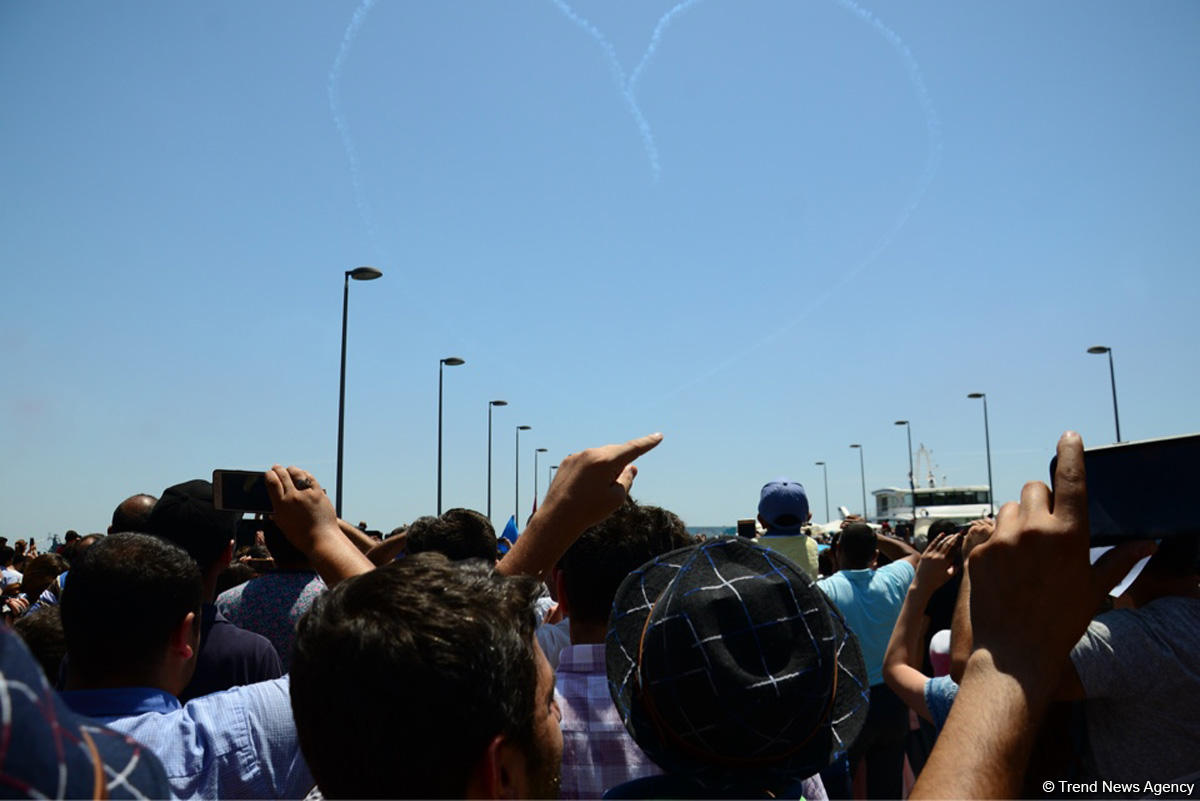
x,y
1141,490
240,491
746,528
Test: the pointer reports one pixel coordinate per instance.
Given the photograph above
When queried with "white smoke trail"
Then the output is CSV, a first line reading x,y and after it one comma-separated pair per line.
x,y
339,121
627,85
933,158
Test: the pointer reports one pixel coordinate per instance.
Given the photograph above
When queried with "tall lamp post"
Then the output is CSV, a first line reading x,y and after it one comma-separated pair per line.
x,y
535,474
517,479
491,405
449,361
1113,378
358,274
825,473
862,472
550,475
987,441
912,485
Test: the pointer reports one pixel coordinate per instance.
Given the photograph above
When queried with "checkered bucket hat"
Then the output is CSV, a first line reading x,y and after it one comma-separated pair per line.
x,y
728,665
46,750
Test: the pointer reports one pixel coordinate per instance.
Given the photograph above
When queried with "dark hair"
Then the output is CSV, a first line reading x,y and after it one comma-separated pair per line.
x,y
237,573
425,661
940,527
458,534
7,552
124,519
858,545
1177,556
596,563
42,631
282,551
40,571
124,597
185,515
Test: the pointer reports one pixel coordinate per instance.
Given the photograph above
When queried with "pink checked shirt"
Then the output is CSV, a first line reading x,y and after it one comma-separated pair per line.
x,y
597,751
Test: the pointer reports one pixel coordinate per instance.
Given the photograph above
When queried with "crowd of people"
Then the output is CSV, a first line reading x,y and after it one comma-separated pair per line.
x,y
607,653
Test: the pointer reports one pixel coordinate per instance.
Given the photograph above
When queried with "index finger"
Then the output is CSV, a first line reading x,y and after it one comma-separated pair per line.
x,y
636,447
1069,502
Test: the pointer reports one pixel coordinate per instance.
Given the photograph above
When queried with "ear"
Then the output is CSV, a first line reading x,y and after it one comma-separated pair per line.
x,y
499,773
226,555
185,638
560,591
764,522
809,518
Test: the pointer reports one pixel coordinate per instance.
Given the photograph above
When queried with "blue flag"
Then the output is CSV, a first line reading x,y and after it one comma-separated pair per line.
x,y
510,535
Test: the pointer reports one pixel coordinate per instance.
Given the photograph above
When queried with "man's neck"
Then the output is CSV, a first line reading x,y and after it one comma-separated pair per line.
x,y
583,633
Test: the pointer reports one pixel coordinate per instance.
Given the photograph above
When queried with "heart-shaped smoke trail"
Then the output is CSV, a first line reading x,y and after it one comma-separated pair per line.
x,y
628,85
339,121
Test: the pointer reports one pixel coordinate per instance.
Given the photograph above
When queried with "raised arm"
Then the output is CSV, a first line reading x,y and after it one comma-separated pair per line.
x,y
357,536
961,641
897,550
305,515
1032,595
902,662
588,487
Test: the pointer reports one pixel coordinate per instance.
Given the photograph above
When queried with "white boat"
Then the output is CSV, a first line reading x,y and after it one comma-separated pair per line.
x,y
959,503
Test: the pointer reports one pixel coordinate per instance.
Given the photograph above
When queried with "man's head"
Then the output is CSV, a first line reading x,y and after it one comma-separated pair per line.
x,y
857,546
132,513
130,613
40,571
434,668
185,515
458,534
596,563
783,506
7,552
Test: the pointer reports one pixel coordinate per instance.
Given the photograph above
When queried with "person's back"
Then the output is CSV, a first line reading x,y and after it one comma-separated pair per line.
x,y
870,600
272,604
598,752
1139,671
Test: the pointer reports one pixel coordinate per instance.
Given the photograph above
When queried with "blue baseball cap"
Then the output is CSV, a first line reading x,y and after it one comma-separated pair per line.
x,y
783,505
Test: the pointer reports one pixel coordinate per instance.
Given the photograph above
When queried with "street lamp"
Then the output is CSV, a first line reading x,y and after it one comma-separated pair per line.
x,y
825,472
358,274
862,471
535,474
517,479
987,441
491,404
1113,378
912,486
550,476
449,361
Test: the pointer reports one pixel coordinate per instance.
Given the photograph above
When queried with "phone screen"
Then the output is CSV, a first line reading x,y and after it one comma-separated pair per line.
x,y
1141,490
240,491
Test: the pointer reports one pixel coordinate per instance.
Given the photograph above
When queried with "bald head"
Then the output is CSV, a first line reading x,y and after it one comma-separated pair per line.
x,y
131,514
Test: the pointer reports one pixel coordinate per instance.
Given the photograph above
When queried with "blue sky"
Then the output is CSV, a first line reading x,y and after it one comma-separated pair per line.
x,y
801,222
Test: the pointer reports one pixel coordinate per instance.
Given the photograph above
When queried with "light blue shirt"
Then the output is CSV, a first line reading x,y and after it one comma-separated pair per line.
x,y
240,743
870,600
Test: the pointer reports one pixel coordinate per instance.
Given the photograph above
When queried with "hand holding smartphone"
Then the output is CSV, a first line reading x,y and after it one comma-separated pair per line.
x,y
1141,490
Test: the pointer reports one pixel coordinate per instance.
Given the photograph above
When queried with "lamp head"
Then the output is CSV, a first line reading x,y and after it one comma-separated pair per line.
x,y
452,361
977,395
1098,349
524,428
364,273
820,464
541,450
901,422
497,403
856,445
